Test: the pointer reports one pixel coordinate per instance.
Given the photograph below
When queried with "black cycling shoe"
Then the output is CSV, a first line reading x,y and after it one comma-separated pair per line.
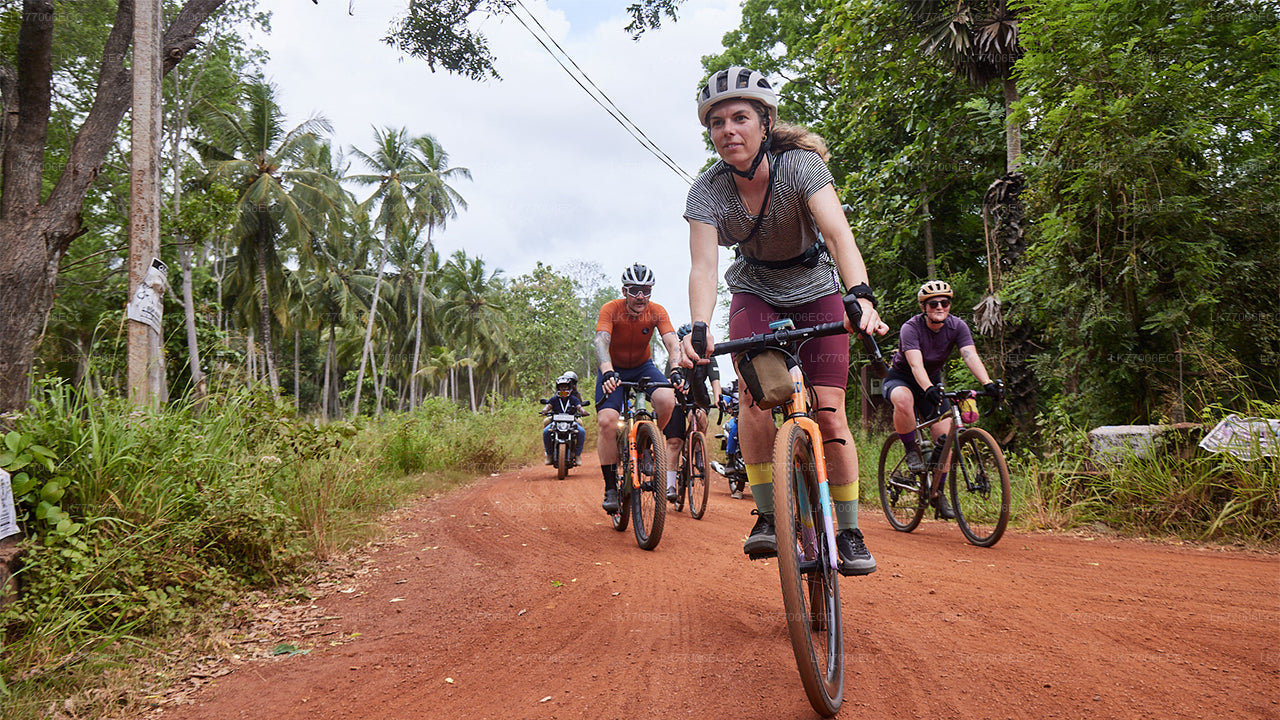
x,y
915,463
611,502
763,539
853,556
942,509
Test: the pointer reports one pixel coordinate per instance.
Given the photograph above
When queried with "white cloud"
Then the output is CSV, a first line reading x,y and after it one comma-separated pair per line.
x,y
555,179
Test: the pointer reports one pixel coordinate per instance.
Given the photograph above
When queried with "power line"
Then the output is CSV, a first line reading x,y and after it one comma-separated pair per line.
x,y
599,95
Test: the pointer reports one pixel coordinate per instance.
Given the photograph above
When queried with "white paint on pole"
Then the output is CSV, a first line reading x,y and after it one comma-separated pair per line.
x,y
8,512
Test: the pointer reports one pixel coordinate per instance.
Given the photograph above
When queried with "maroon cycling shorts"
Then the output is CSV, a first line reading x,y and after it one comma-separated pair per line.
x,y
825,359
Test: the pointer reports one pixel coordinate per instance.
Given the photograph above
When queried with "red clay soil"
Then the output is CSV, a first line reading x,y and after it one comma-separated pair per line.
x,y
515,598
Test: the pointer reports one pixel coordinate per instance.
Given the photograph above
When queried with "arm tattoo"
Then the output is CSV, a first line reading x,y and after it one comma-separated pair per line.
x,y
602,347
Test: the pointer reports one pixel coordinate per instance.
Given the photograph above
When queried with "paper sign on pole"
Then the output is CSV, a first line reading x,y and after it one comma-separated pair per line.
x,y
8,513
147,305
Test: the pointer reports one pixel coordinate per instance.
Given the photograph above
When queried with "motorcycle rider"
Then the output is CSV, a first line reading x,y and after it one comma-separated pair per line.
x,y
565,401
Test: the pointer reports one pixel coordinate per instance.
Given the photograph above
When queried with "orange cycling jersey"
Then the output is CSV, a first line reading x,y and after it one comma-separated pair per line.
x,y
630,334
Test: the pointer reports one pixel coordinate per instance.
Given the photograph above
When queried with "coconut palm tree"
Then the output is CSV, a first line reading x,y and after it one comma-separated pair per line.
x,y
473,310
279,196
979,38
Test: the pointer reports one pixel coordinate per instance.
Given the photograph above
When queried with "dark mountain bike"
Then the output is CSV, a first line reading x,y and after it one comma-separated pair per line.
x,y
692,479
978,479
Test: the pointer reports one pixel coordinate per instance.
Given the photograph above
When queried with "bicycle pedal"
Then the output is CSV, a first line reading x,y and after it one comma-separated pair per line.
x,y
762,556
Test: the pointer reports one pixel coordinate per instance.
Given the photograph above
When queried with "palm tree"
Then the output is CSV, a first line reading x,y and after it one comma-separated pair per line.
x,y
471,307
279,197
979,38
411,194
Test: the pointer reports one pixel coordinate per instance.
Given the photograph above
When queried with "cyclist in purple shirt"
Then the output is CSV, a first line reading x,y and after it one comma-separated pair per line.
x,y
924,344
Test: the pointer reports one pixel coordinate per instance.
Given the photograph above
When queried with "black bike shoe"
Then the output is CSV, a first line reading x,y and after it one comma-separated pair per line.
x,y
671,494
915,463
611,502
763,539
942,509
853,556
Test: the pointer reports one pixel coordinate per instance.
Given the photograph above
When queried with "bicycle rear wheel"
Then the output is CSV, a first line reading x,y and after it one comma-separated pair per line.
x,y
979,484
810,591
899,487
649,500
696,468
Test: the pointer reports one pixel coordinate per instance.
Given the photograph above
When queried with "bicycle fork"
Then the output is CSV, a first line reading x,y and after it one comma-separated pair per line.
x,y
799,411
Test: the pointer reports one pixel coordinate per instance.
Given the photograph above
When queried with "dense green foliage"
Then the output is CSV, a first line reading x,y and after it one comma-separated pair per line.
x,y
1144,287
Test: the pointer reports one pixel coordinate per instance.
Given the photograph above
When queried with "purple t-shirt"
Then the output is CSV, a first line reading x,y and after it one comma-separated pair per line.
x,y
935,347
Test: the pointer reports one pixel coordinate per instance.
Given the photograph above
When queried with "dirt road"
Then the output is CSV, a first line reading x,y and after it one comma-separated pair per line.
x,y
514,598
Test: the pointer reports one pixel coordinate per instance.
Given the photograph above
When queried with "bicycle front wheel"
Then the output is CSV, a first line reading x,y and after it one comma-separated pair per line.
x,y
899,488
696,468
649,500
979,485
810,592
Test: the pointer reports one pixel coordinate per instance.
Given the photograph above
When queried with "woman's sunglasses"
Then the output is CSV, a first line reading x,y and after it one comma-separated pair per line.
x,y
943,303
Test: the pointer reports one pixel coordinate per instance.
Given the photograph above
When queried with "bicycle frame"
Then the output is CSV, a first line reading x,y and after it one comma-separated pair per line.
x,y
797,411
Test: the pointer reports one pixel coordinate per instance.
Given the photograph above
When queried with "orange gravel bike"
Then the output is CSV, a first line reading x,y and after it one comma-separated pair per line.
x,y
642,459
804,520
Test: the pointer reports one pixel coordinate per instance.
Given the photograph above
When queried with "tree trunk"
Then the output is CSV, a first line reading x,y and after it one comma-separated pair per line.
x,y
1013,132
931,265
35,234
264,307
297,364
324,393
471,382
368,333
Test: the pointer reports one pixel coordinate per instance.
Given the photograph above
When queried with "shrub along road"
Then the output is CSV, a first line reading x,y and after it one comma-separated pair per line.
x,y
514,598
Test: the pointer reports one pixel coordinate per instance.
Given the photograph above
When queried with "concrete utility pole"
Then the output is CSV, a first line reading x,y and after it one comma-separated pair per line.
x,y
146,354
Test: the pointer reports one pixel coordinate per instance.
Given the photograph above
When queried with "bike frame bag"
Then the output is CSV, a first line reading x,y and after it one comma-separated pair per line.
x,y
767,376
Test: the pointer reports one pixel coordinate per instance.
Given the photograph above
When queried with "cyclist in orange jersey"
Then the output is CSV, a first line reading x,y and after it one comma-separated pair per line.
x,y
624,333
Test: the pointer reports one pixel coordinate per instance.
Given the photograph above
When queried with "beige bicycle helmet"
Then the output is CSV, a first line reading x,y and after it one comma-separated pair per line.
x,y
933,288
737,82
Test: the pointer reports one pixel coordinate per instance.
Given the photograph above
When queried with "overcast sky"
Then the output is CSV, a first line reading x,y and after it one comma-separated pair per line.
x,y
554,178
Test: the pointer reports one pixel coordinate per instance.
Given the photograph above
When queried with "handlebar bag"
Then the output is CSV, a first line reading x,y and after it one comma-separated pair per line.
x,y
767,375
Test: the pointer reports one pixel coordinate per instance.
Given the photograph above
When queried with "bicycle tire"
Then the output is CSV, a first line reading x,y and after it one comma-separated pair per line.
x,y
810,587
979,485
649,500
562,463
623,517
682,479
699,485
903,506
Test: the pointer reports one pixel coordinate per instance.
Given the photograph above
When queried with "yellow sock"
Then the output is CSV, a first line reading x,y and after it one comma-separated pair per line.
x,y
760,478
845,500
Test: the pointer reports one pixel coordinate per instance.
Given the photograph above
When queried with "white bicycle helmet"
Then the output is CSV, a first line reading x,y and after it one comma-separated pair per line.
x,y
565,380
637,274
737,82
933,288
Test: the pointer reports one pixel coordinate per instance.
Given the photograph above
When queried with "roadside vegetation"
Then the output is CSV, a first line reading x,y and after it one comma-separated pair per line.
x,y
142,526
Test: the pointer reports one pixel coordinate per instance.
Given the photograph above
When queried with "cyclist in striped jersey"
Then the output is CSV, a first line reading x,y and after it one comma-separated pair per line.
x,y
772,198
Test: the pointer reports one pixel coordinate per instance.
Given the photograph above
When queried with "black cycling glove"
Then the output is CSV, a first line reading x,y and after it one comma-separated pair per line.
x,y
996,390
933,396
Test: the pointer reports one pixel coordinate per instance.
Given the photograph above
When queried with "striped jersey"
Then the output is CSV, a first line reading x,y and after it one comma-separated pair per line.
x,y
787,230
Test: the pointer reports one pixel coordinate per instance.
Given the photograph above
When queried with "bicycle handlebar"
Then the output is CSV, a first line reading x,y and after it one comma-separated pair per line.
x,y
781,337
